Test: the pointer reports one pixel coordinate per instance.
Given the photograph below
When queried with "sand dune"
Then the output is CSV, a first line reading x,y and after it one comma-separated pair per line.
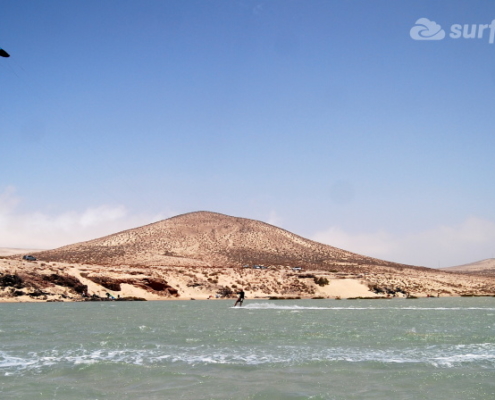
x,y
54,281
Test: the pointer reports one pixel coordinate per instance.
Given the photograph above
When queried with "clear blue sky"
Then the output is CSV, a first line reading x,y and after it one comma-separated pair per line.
x,y
323,117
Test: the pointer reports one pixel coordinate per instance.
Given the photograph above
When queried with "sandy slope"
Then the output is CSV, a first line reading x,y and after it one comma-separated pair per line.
x,y
206,282
204,239
483,266
201,255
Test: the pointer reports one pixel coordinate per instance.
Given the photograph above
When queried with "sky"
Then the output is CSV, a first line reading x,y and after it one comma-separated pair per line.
x,y
366,125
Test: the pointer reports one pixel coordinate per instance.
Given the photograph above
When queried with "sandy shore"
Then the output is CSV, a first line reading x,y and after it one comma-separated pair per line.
x,y
43,281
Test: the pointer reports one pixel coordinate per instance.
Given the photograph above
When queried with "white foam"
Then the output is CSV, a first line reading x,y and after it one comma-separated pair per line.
x,y
273,306
444,356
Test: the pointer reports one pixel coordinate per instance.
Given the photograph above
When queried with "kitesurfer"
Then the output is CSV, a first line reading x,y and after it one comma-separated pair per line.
x,y
240,300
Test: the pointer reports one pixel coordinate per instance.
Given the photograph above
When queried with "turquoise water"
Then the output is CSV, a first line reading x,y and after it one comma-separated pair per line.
x,y
302,349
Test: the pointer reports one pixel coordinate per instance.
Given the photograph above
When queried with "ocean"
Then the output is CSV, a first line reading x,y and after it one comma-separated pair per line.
x,y
436,348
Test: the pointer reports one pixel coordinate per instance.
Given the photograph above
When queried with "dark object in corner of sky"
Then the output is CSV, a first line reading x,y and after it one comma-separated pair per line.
x,y
3,53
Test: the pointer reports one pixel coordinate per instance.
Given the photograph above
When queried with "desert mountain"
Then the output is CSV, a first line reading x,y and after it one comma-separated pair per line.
x,y
483,267
152,262
209,239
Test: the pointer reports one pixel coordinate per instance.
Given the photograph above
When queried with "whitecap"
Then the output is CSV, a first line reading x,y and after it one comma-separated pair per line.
x,y
445,356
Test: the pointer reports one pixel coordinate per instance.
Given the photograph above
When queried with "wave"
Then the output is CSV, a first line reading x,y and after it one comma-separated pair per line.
x,y
442,356
271,306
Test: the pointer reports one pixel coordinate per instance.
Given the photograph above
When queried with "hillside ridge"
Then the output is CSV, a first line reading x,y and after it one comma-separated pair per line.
x,y
201,255
481,267
204,238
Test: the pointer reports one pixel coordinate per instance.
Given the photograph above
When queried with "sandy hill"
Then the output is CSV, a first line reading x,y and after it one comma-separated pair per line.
x,y
483,267
154,262
208,239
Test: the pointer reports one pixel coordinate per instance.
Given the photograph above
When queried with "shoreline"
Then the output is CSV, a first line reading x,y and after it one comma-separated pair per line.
x,y
232,300
37,281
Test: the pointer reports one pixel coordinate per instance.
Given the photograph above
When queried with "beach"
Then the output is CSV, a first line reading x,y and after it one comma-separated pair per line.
x,y
56,281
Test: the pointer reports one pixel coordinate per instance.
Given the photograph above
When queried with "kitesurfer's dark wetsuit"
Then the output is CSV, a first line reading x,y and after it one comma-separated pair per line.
x,y
240,299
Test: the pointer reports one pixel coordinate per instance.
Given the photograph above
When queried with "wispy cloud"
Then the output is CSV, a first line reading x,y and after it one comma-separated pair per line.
x,y
44,231
442,246
274,218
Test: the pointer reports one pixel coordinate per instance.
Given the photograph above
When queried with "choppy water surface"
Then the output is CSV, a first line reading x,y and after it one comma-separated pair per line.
x,y
306,349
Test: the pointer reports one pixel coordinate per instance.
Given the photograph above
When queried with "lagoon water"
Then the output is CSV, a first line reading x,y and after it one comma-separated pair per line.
x,y
302,349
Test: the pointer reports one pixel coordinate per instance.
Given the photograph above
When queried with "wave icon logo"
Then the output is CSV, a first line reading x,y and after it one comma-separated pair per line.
x,y
427,30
